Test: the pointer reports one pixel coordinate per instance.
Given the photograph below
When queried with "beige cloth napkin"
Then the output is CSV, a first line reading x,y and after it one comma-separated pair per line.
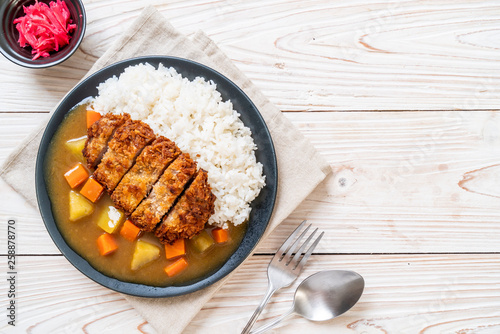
x,y
300,167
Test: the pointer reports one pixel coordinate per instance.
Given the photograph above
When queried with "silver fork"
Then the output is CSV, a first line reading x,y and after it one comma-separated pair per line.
x,y
284,269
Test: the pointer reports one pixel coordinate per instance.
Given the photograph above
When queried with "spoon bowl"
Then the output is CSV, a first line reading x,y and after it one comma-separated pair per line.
x,y
323,296
328,294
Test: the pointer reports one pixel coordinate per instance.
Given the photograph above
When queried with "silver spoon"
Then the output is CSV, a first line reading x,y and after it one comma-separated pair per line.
x,y
323,296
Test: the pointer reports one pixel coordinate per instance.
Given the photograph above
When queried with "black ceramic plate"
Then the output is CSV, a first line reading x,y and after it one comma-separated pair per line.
x,y
262,206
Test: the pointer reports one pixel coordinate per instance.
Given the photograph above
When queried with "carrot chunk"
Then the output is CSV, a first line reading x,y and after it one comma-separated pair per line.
x,y
176,267
129,231
76,175
92,190
220,235
176,249
106,244
92,117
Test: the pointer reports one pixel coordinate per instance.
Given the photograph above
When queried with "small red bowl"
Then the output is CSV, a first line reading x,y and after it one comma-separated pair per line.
x,y
9,47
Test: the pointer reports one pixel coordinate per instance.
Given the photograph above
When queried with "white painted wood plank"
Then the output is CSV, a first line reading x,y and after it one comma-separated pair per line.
x,y
311,55
54,297
402,183
406,182
32,237
15,127
403,294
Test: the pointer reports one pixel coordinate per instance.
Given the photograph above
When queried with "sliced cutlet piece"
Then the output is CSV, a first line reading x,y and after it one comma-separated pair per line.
x,y
170,185
190,213
127,142
148,167
98,136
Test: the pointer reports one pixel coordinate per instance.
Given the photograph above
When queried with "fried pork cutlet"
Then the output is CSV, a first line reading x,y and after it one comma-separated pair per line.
x,y
98,136
170,185
148,167
192,211
127,142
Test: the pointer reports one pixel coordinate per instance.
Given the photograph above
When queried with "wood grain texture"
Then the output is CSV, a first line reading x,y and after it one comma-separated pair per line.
x,y
403,294
402,183
405,184
53,297
311,55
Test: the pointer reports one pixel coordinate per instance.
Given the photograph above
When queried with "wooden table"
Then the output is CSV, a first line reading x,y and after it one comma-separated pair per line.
x,y
402,98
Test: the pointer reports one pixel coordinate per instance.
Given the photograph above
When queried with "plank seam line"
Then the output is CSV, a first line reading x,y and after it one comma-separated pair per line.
x,y
317,111
419,253
21,112
337,254
389,110
34,254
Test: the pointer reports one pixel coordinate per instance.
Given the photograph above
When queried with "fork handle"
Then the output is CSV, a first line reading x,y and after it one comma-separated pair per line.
x,y
258,311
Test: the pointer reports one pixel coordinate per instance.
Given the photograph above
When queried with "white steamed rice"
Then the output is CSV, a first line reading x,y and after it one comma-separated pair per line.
x,y
192,114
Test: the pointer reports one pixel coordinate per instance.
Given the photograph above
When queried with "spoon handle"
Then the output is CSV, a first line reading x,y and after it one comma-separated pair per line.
x,y
273,323
258,311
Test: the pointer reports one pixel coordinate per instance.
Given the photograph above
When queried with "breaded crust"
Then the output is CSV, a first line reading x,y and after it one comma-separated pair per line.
x,y
190,214
170,185
127,142
98,136
148,167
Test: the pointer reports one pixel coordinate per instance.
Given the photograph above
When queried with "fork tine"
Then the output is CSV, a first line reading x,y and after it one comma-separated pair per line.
x,y
302,248
288,241
309,252
288,256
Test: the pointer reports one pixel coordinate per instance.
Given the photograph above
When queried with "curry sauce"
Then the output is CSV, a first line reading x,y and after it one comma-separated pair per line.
x,y
82,234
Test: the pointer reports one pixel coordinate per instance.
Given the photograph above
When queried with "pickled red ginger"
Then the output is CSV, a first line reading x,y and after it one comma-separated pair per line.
x,y
45,27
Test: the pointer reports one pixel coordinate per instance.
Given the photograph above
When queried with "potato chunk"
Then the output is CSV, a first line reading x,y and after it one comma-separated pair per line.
x,y
143,254
79,206
76,146
110,219
202,241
